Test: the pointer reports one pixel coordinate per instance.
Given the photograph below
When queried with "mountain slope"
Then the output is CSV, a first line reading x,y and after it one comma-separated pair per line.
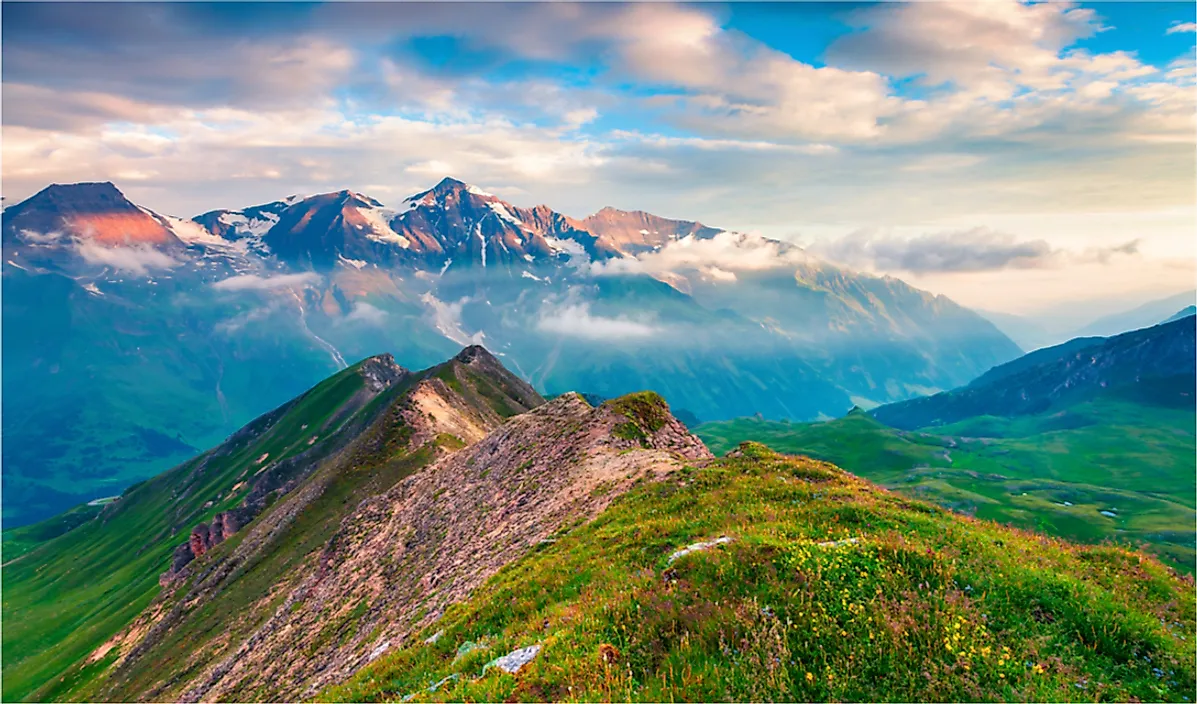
x,y
763,578
1181,314
1142,316
1057,376
284,480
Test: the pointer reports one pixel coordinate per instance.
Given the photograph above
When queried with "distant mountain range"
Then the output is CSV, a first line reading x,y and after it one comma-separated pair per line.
x,y
1142,316
131,338
1157,361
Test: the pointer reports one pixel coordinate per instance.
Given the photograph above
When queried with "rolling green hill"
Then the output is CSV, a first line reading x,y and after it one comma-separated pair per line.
x,y
1054,472
801,583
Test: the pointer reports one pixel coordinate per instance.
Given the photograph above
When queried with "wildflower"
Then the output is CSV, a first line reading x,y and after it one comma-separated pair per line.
x,y
810,677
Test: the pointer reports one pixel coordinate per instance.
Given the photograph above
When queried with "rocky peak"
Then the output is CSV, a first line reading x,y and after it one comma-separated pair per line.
x,y
381,371
98,212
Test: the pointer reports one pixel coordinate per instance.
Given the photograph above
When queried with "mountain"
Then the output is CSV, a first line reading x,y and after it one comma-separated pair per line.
x,y
1187,312
447,533
1142,316
636,231
1026,333
315,500
124,354
270,495
1056,377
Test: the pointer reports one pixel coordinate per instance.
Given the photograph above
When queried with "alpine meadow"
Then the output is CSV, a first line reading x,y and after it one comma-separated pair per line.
x,y
553,351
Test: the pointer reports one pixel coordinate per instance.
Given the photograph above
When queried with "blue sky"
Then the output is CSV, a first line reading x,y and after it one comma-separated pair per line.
x,y
1051,144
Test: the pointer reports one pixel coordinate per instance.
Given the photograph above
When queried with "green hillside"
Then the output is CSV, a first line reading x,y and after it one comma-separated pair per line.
x,y
1053,472
825,587
71,582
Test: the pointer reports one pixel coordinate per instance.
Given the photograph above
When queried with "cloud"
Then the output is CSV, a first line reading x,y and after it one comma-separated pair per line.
x,y
974,250
576,320
253,282
367,313
135,259
718,257
237,322
40,237
1180,27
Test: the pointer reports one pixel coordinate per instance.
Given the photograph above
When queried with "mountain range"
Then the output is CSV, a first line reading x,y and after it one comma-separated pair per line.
x,y
133,338
392,534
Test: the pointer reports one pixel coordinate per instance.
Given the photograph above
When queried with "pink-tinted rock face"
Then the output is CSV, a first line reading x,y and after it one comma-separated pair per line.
x,y
200,540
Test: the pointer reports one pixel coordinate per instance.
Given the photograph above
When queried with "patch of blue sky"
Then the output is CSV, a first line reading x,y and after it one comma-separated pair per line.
x,y
803,30
1142,28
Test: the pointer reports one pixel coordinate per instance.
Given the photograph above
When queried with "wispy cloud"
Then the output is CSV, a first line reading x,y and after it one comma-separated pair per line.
x,y
254,282
719,256
1180,27
366,313
134,259
974,250
576,320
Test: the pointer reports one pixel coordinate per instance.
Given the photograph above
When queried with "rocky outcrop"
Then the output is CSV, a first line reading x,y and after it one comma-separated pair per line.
x,y
402,557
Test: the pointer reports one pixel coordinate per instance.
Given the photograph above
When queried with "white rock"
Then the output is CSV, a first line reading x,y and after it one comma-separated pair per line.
x,y
699,547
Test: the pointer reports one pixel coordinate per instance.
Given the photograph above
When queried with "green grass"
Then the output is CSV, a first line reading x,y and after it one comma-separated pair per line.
x,y
72,584
925,605
1133,458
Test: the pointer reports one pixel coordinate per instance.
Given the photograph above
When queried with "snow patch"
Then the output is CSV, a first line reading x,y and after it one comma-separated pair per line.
x,y
447,319
530,275
90,288
503,213
479,192
355,263
378,220
578,258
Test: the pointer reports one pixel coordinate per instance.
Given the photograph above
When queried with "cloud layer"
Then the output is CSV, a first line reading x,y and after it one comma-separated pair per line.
x,y
974,250
254,282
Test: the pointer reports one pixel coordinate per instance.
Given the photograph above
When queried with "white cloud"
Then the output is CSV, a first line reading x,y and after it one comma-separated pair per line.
x,y
576,320
253,282
40,237
1182,27
136,259
718,257
973,250
366,313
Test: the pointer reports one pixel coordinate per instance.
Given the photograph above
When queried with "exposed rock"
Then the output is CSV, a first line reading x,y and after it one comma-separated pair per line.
x,y
513,662
699,547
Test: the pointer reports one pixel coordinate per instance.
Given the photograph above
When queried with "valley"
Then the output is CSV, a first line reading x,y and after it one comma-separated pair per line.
x,y
449,534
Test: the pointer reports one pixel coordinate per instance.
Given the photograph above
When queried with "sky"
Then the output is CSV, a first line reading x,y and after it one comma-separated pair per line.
x,y
1016,157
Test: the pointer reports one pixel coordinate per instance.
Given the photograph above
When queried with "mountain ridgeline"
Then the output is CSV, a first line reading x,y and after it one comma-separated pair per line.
x,y
132,338
1155,363
448,534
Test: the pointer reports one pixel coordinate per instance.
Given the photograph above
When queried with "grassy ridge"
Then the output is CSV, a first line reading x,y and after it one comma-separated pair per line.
x,y
66,596
830,589
1053,472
